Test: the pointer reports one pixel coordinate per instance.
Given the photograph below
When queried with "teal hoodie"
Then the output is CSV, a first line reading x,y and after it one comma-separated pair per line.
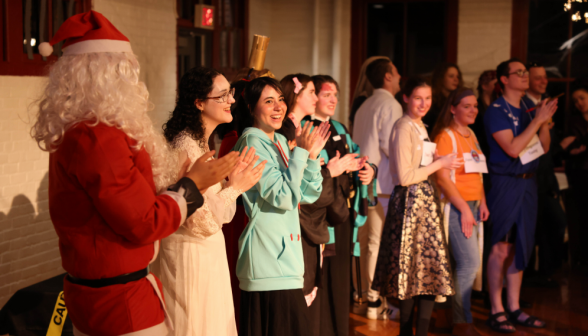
x,y
270,248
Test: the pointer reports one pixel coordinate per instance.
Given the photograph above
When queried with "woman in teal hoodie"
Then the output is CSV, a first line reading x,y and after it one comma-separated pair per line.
x,y
270,267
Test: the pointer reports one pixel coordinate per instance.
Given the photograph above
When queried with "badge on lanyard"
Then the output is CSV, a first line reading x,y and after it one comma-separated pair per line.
x,y
428,147
533,150
428,153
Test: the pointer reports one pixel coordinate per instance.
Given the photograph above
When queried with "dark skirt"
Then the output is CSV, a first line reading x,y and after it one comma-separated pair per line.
x,y
282,312
413,258
513,204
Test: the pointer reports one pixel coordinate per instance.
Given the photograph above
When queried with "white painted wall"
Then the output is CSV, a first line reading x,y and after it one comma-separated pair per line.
x,y
484,30
307,36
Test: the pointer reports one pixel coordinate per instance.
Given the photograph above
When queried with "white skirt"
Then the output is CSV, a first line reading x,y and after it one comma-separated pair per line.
x,y
197,285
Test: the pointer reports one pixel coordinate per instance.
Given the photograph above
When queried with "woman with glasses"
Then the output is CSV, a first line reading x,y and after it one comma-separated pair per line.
x,y
193,263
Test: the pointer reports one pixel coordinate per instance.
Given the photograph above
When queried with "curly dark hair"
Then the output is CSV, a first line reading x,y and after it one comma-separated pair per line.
x,y
195,84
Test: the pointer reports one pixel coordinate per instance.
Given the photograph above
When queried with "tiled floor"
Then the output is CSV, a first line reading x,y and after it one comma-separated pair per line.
x,y
565,309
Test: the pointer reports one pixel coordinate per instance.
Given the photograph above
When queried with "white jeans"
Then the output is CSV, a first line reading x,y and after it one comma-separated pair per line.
x,y
369,237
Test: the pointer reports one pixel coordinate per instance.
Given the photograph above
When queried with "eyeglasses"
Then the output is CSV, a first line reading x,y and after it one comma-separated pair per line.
x,y
521,73
225,97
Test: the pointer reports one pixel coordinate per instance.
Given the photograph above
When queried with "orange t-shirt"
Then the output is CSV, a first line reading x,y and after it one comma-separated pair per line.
x,y
470,185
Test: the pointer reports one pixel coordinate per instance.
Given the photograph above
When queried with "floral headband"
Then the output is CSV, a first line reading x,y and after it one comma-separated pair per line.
x,y
298,85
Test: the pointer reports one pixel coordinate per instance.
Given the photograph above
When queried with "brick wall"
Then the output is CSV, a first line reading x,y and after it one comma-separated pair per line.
x,y
483,36
28,244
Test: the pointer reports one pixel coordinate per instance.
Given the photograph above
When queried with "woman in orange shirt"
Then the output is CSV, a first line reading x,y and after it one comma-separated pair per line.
x,y
463,189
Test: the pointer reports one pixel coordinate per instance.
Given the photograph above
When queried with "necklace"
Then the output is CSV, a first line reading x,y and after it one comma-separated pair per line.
x,y
458,132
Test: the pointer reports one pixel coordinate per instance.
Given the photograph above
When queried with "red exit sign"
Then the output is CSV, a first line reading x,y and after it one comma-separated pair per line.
x,y
204,17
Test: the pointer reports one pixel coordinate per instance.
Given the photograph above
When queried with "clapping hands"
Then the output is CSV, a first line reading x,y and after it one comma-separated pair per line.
x,y
313,141
245,175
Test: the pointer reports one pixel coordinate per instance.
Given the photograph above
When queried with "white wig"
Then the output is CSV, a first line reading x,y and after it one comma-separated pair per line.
x,y
102,88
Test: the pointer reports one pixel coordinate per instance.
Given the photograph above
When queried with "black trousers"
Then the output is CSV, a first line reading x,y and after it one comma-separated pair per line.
x,y
329,313
549,236
576,208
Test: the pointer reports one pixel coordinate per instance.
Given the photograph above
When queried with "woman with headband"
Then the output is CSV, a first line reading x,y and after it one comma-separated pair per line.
x,y
463,192
413,264
300,96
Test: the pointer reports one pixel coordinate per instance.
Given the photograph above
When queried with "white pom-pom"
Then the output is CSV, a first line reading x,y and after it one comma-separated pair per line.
x,y
45,49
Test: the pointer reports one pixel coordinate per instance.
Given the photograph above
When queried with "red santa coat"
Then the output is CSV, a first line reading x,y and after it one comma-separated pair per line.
x,y
107,215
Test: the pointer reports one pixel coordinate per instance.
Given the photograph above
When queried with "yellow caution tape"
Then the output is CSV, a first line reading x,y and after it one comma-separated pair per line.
x,y
58,318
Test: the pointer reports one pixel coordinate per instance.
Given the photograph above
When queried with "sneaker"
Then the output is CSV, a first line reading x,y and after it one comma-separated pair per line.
x,y
382,310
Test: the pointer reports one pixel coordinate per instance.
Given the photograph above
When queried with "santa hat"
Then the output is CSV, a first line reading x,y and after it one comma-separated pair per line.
x,y
88,32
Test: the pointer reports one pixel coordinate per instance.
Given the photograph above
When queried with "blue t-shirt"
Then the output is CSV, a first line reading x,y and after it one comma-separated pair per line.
x,y
500,116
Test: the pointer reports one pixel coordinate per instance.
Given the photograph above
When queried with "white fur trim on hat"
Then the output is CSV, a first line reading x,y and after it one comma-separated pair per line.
x,y
45,49
96,46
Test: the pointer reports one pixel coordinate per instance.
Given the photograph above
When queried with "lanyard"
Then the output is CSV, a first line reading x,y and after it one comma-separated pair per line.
x,y
285,159
419,131
515,123
466,140
282,153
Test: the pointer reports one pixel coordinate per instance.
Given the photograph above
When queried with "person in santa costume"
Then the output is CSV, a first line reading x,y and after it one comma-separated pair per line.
x,y
109,173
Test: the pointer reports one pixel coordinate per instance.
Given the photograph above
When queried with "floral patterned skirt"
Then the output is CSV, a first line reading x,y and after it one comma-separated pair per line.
x,y
413,257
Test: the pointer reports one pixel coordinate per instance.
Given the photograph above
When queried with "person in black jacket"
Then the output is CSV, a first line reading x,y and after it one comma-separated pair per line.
x,y
350,176
577,172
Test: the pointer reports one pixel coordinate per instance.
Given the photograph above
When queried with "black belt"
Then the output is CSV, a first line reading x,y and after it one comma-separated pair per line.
x,y
119,280
525,175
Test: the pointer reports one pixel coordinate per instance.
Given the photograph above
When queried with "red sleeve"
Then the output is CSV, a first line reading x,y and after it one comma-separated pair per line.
x,y
106,168
229,141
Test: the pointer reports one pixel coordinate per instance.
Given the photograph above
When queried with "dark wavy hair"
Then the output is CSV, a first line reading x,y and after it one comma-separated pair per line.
x,y
239,111
195,85
252,94
437,81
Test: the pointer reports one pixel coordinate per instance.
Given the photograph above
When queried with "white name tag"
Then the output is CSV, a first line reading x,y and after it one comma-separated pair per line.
x,y
474,162
428,153
533,150
336,138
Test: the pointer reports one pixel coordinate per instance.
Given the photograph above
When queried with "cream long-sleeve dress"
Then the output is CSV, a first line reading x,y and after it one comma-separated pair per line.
x,y
193,263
